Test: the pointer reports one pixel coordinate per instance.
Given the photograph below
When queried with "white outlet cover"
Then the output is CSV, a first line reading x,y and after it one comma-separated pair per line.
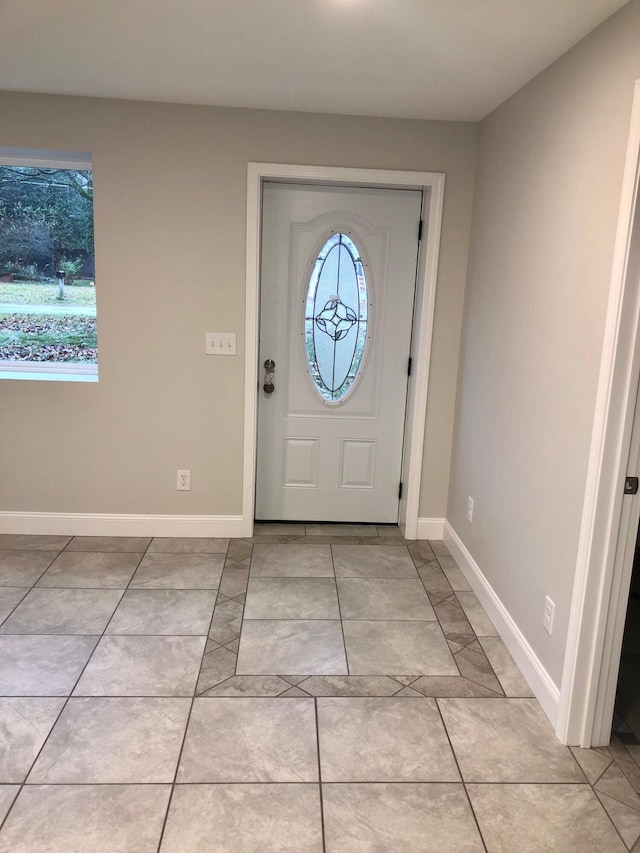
x,y
183,480
469,510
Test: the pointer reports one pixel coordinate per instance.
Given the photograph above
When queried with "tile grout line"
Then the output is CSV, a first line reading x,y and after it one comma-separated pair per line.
x,y
616,738
436,613
39,578
344,641
612,796
94,634
502,695
464,785
320,792
126,588
175,775
595,782
71,538
293,782
220,646
305,619
229,598
186,729
609,818
13,610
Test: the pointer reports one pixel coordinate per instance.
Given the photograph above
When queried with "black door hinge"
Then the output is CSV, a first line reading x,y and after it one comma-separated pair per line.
x,y
409,367
631,485
420,230
400,491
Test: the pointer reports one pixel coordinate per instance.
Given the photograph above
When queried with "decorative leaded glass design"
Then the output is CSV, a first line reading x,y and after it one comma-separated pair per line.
x,y
335,317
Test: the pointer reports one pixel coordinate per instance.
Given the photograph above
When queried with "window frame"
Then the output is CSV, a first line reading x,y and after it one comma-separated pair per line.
x,y
34,370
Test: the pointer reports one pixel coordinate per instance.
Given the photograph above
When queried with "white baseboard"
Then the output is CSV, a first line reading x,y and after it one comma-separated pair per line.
x,y
539,680
430,528
96,524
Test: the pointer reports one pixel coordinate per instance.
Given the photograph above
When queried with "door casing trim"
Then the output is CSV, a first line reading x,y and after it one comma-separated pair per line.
x,y
599,599
432,184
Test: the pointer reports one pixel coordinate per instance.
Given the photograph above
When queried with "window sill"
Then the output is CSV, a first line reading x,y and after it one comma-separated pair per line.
x,y
56,372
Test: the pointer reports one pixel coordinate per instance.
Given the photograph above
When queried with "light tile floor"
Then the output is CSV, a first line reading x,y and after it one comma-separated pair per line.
x,y
317,688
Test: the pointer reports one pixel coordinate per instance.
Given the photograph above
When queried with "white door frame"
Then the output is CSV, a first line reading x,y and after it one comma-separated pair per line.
x,y
599,601
433,185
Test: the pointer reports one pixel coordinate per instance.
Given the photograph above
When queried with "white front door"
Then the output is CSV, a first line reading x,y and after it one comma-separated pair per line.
x,y
336,308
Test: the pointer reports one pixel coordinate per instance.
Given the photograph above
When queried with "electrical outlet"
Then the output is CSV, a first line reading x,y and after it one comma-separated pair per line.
x,y
183,482
469,510
547,616
220,343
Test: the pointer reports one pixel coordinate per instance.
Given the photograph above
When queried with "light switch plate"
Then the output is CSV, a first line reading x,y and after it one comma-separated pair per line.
x,y
220,343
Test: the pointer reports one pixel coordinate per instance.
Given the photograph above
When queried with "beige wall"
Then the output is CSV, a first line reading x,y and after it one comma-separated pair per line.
x,y
547,194
170,208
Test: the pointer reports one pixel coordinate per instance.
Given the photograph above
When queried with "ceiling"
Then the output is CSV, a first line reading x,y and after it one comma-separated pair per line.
x,y
438,59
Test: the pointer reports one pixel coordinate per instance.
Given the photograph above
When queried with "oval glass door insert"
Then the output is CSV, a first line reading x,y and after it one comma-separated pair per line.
x,y
335,321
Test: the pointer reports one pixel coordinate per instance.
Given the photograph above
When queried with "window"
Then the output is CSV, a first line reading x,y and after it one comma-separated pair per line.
x,y
47,268
335,319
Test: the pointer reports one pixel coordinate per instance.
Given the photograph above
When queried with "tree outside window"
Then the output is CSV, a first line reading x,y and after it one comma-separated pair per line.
x,y
47,268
